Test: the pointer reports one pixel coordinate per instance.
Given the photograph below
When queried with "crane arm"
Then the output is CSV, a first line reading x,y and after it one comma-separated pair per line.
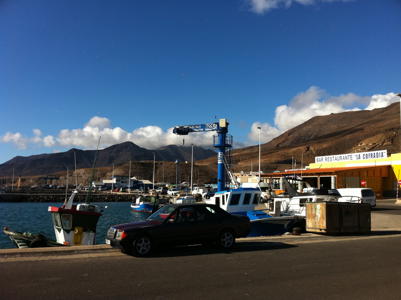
x,y
186,129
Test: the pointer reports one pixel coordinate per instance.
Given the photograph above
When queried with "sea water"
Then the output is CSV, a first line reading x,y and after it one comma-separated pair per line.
x,y
33,217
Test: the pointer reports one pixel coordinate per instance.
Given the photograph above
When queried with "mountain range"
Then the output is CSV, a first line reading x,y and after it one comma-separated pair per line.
x,y
347,132
117,154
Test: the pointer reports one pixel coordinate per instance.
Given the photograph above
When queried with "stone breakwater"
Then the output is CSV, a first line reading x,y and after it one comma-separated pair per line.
x,y
57,197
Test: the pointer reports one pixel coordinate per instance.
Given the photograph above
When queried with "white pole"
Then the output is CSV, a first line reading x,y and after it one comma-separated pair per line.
x,y
399,95
260,128
192,166
129,177
302,163
397,178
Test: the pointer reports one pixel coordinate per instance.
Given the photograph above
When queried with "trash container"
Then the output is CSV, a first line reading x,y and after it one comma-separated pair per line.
x,y
338,217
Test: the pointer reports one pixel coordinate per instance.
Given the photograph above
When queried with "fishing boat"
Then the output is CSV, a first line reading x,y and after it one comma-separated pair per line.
x,y
75,224
247,202
240,201
148,203
29,240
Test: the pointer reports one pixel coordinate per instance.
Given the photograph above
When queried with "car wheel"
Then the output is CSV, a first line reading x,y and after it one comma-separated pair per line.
x,y
226,239
142,246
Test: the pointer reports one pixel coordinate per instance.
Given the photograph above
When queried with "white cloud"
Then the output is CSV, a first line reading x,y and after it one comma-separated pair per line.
x,y
48,141
16,138
315,102
149,137
263,6
379,101
312,102
98,122
266,132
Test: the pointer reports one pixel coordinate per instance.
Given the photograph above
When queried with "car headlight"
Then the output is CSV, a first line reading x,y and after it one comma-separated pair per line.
x,y
121,234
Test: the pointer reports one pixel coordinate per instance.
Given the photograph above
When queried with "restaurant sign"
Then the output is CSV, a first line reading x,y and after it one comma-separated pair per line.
x,y
351,156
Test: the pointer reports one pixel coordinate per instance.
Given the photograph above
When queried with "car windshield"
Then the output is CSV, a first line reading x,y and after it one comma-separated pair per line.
x,y
162,213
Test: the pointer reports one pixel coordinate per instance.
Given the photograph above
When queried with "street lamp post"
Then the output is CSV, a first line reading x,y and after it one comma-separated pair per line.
x,y
398,184
260,128
192,166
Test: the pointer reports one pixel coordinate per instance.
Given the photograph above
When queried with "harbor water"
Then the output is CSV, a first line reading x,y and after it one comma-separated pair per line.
x,y
33,217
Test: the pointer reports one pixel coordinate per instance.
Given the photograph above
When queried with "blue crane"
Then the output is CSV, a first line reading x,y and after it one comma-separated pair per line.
x,y
221,142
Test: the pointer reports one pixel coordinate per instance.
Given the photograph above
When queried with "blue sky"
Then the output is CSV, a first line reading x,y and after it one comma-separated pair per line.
x,y
72,70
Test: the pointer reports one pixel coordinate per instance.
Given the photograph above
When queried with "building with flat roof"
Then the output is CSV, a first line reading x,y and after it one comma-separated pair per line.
x,y
374,169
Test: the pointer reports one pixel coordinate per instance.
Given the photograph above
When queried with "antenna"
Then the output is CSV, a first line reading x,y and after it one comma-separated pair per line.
x,y
93,172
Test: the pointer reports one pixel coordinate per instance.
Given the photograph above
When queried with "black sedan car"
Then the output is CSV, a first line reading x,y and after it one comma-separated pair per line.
x,y
179,225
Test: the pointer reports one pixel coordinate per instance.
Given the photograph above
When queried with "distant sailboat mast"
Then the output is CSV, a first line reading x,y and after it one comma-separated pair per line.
x,y
154,167
129,177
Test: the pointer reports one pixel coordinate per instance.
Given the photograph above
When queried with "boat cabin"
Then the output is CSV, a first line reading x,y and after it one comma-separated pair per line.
x,y
237,201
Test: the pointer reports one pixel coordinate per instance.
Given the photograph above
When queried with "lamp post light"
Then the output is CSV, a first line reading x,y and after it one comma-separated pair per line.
x,y
260,129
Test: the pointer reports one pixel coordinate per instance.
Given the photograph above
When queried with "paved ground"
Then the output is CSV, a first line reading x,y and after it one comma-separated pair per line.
x,y
305,267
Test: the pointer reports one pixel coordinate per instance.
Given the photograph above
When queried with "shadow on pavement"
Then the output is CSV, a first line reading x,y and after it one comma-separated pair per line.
x,y
202,250
386,208
385,232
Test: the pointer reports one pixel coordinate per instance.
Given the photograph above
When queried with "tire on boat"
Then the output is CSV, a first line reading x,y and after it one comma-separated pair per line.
x,y
226,239
142,246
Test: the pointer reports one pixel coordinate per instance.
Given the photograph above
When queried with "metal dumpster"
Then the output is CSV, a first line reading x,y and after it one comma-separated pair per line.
x,y
338,217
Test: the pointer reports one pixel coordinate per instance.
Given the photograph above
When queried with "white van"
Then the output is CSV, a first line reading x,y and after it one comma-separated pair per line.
x,y
357,195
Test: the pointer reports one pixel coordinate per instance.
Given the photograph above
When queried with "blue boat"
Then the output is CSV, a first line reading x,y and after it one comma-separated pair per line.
x,y
145,204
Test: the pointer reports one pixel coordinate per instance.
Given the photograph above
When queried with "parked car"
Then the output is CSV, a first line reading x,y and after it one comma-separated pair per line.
x,y
161,190
179,225
173,192
357,195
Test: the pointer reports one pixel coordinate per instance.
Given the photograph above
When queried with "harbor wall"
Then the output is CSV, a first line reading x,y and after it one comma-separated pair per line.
x,y
49,197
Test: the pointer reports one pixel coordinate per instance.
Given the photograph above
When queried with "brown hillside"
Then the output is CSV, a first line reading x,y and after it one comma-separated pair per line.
x,y
346,132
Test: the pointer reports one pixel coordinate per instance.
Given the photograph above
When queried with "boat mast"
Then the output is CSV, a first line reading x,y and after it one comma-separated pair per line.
x,y
12,182
93,172
66,186
154,167
112,180
129,177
